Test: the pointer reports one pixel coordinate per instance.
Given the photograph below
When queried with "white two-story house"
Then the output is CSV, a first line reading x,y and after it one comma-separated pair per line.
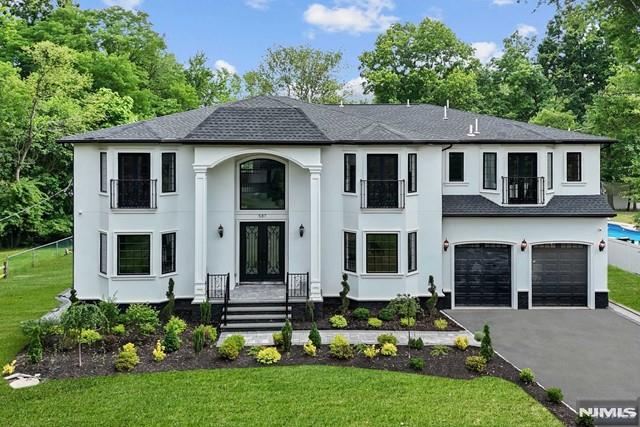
x,y
270,191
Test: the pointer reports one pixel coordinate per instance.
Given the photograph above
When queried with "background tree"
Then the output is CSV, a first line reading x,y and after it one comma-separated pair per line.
x,y
212,86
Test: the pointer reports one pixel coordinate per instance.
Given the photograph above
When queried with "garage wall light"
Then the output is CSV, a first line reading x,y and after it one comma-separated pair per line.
x,y
523,245
445,245
602,245
301,230
220,230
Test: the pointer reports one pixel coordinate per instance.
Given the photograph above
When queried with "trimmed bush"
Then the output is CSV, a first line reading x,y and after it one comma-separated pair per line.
x,y
210,333
344,294
416,343
386,314
205,313
361,313
254,350
35,349
486,349
177,324
172,341
389,350
278,340
268,356
407,322
387,338
231,347
478,335
9,368
527,376
370,351
432,302
439,350
554,394
340,348
440,324
198,339
417,363
309,349
374,322
127,359
110,312
287,335
585,420
338,321
147,329
118,330
314,335
405,305
169,307
141,314
461,342
89,336
475,363
158,352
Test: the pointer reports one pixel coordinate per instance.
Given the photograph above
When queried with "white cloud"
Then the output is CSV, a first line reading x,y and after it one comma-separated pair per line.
x,y
353,90
258,4
352,16
125,4
485,51
526,30
221,64
503,2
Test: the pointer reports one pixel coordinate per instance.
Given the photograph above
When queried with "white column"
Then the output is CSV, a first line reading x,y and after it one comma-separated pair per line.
x,y
200,237
314,190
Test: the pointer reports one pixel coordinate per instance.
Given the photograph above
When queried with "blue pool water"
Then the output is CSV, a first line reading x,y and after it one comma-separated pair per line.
x,y
618,232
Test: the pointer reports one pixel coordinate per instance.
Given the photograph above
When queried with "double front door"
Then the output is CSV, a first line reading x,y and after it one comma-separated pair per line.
x,y
262,252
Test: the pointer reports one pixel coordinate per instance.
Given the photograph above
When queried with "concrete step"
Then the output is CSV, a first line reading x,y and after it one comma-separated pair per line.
x,y
253,317
257,309
250,326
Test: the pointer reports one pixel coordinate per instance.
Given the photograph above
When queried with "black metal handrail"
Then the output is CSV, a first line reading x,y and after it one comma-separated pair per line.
x,y
382,194
133,193
218,289
296,286
523,190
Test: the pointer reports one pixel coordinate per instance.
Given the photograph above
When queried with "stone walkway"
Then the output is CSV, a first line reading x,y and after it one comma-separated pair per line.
x,y
354,336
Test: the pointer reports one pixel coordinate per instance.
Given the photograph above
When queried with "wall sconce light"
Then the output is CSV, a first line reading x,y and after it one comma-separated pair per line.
x,y
301,230
445,245
523,245
220,230
602,245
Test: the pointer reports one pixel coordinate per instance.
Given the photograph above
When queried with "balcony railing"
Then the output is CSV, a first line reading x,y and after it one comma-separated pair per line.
x,y
382,194
133,194
523,190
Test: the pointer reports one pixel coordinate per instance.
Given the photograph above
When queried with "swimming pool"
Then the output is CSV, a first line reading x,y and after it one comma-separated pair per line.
x,y
618,232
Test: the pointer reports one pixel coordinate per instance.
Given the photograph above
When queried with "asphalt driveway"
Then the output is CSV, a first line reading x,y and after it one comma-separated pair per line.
x,y
589,354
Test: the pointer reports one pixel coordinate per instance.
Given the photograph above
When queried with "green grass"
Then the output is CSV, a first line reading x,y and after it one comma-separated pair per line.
x,y
297,396
624,216
624,287
28,293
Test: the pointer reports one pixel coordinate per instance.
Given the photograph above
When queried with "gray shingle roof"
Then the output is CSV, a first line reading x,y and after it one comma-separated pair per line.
x,y
479,206
273,119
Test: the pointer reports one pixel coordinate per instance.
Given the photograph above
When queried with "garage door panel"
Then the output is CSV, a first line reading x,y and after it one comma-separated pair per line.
x,y
559,275
482,275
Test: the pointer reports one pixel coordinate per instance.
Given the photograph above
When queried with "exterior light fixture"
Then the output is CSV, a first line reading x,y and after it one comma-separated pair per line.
x,y
301,230
602,245
445,245
220,230
523,245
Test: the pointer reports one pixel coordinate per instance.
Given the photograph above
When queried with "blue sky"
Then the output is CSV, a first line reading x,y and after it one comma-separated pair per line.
x,y
236,33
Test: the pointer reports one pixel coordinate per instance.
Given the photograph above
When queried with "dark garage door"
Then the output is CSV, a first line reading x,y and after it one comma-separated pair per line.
x,y
483,275
559,275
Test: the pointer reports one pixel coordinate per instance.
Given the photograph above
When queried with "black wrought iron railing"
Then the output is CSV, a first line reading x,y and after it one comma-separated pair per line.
x,y
297,286
218,290
133,194
382,194
523,190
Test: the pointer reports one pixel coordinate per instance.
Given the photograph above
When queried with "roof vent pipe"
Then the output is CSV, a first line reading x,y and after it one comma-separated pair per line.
x,y
476,131
447,104
445,113
408,103
341,104
471,131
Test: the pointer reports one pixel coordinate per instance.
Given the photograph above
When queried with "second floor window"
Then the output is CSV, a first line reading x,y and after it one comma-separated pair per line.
x,y
349,173
349,251
456,167
574,167
412,173
489,171
168,172
262,184
549,171
134,187
103,172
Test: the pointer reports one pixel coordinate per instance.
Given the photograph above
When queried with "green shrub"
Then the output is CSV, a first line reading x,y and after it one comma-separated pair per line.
x,y
314,335
340,348
475,363
386,314
158,352
118,330
128,358
309,349
407,322
440,324
370,351
110,312
210,333
417,363
147,329
387,338
268,356
486,349
554,394
177,324
35,349
169,307
338,321
478,335
405,306
416,343
527,376
389,350
439,350
172,341
461,342
137,315
287,335
361,313
231,347
205,313
432,302
585,420
374,322
254,350
198,339
278,339
89,336
82,316
344,298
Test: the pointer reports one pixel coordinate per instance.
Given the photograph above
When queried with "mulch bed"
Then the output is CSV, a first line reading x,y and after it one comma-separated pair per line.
x,y
99,361
425,323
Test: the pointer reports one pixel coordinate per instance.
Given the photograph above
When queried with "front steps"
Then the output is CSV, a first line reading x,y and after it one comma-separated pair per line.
x,y
255,316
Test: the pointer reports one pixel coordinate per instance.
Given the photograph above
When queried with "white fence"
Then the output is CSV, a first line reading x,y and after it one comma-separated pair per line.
x,y
624,255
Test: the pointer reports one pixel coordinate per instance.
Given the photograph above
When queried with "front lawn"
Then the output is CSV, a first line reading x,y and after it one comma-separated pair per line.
x,y
625,216
299,395
624,287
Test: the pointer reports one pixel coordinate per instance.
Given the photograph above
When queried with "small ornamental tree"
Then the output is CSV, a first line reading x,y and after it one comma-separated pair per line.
x,y
432,302
169,307
314,335
81,316
486,349
287,335
344,299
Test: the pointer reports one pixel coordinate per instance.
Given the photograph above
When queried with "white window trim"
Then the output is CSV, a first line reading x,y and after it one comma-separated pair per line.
x,y
169,193
464,181
400,272
175,272
115,257
498,183
348,230
566,181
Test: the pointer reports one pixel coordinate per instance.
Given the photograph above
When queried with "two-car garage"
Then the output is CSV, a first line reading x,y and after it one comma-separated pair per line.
x,y
483,275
